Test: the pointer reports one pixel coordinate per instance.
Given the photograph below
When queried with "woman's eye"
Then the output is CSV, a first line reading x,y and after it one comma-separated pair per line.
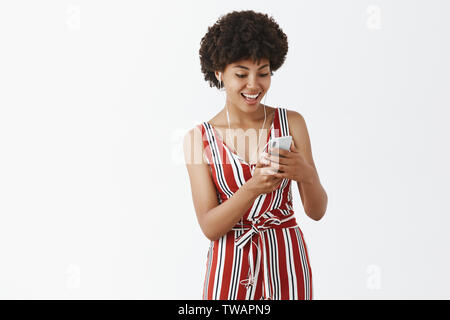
x,y
243,75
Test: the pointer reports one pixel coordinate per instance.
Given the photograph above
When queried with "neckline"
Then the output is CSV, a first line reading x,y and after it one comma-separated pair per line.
x,y
217,134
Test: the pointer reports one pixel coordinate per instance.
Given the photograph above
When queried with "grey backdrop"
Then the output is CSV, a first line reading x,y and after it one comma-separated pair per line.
x,y
96,96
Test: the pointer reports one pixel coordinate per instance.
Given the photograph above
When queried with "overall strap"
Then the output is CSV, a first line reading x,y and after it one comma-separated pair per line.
x,y
283,124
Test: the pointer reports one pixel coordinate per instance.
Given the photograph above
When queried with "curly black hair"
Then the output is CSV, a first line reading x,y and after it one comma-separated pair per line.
x,y
241,35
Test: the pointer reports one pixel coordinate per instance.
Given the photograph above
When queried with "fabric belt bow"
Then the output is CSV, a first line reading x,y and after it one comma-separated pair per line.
x,y
256,228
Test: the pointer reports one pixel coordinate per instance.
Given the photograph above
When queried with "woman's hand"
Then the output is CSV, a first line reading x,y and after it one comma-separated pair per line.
x,y
263,179
291,165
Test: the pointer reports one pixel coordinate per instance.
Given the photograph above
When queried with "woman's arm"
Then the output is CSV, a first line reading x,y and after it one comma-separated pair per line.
x,y
314,198
312,193
222,218
215,220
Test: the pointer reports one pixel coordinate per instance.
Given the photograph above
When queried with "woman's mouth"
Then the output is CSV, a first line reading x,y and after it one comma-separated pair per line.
x,y
250,98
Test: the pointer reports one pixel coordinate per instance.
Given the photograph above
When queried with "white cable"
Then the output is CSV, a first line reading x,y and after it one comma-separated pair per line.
x,y
259,137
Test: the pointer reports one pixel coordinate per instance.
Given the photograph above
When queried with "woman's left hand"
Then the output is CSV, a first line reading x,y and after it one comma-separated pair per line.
x,y
291,164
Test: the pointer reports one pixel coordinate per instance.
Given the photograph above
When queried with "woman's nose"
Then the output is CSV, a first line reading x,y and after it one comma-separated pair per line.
x,y
252,82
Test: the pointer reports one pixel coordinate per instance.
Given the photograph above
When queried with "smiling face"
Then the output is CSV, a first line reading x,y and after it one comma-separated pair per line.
x,y
246,77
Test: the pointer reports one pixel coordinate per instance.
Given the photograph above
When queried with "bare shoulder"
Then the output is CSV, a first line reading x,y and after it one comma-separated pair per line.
x,y
218,120
202,185
300,135
295,120
193,146
297,126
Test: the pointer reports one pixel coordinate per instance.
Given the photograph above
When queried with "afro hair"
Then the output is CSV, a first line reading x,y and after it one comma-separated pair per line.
x,y
241,35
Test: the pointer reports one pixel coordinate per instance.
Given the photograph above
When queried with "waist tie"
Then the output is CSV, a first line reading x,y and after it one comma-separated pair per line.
x,y
256,229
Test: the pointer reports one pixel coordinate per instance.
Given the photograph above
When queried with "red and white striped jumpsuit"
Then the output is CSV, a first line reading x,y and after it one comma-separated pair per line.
x,y
266,256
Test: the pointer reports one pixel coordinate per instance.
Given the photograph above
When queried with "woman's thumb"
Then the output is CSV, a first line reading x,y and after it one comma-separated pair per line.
x,y
262,161
259,164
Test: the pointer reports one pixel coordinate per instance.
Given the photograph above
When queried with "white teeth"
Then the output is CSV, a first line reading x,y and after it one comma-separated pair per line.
x,y
251,96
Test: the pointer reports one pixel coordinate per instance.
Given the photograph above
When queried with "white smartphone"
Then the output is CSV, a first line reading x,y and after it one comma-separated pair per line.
x,y
281,143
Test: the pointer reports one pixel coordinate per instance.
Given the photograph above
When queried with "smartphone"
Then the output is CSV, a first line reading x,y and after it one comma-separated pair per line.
x,y
281,143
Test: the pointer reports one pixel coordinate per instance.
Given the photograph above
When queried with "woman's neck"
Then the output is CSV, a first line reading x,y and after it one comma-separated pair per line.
x,y
238,118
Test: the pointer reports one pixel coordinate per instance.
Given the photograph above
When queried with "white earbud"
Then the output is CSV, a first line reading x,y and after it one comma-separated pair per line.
x,y
220,81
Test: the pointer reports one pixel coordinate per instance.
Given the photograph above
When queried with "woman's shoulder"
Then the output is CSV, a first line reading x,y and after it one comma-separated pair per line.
x,y
294,116
297,126
216,120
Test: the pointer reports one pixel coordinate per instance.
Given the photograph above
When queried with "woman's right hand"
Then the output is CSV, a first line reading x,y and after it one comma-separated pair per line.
x,y
263,180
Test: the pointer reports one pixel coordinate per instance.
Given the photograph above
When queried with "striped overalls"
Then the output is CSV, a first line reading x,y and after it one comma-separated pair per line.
x,y
265,256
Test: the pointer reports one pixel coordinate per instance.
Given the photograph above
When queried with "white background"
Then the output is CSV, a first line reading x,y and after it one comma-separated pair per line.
x,y
95,97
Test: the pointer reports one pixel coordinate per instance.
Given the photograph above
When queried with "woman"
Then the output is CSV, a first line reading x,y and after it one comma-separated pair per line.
x,y
242,195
